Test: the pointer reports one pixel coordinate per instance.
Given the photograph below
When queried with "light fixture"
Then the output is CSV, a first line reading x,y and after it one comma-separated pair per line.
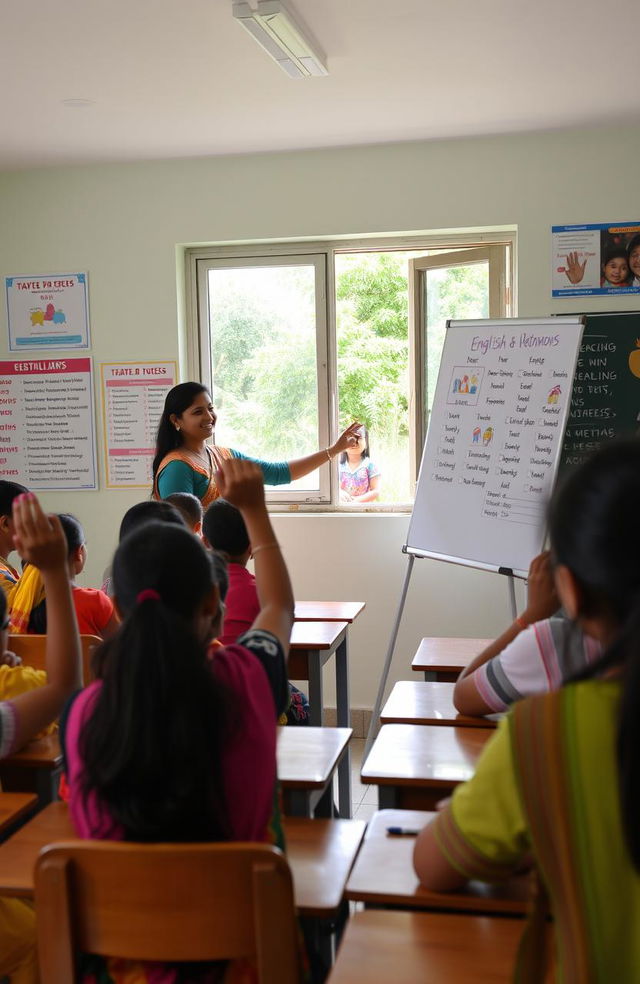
x,y
275,30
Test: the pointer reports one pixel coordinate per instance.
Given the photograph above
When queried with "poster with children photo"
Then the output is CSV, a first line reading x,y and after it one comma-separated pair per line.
x,y
595,259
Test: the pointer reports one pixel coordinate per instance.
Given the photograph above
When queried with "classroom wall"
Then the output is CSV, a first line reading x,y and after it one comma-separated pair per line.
x,y
126,224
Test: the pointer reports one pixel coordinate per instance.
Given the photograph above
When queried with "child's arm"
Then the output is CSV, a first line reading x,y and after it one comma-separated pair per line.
x,y
240,482
39,539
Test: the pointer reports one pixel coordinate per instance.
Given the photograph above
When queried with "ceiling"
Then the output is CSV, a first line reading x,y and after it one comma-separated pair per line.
x,y
180,78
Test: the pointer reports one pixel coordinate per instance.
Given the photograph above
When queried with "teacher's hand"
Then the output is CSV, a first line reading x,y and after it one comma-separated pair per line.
x,y
348,439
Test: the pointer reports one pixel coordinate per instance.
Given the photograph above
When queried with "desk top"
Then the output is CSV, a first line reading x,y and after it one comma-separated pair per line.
x,y
447,654
13,806
424,755
42,753
383,874
316,635
328,611
405,947
320,853
308,756
416,702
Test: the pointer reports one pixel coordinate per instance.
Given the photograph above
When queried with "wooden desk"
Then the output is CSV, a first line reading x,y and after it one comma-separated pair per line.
x,y
307,759
432,948
328,611
14,808
36,768
383,874
415,702
415,765
312,645
442,658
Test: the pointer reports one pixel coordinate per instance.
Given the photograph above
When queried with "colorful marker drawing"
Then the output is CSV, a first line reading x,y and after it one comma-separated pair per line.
x,y
38,316
487,437
473,383
476,435
554,394
465,385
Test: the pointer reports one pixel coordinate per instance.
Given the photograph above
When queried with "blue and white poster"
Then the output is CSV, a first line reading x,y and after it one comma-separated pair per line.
x,y
47,311
595,259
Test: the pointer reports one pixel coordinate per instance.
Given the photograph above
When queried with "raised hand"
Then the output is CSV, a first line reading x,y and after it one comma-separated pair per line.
x,y
38,538
241,483
348,438
575,269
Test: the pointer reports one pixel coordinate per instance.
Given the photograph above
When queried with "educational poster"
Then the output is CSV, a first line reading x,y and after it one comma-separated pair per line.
x,y
47,436
133,395
494,440
595,259
47,311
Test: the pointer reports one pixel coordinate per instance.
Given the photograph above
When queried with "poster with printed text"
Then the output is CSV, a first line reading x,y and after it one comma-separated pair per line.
x,y
595,259
47,311
47,434
133,395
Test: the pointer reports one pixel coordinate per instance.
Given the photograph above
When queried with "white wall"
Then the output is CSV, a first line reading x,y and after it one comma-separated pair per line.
x,y
123,223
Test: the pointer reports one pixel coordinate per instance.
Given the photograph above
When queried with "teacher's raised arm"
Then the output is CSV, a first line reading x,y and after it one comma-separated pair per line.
x,y
184,462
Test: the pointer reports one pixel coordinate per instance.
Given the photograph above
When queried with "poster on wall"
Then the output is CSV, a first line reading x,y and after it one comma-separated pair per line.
x,y
595,259
133,395
47,434
47,311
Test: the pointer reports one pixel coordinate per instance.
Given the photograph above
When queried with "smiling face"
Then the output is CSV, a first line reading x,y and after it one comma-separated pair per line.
x,y
196,423
634,261
616,270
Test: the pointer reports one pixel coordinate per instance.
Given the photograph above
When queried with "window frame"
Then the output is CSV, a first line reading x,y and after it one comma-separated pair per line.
x,y
197,360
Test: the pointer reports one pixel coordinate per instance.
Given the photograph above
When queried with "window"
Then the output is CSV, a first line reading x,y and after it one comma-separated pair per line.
x,y
295,341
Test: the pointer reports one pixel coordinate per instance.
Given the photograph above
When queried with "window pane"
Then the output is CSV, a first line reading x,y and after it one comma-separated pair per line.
x,y
263,350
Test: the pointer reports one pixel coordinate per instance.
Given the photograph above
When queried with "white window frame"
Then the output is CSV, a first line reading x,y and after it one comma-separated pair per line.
x,y
197,356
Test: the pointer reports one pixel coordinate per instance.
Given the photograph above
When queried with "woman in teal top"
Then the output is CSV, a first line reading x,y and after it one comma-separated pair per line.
x,y
184,462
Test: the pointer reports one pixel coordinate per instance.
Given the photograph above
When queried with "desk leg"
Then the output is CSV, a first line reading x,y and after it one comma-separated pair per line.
x,y
387,798
316,698
429,676
344,721
298,803
47,782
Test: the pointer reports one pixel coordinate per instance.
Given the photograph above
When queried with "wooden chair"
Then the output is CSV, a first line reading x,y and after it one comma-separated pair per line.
x,y
31,650
172,902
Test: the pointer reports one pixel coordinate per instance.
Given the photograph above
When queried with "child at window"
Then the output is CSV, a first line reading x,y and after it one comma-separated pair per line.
x,y
359,477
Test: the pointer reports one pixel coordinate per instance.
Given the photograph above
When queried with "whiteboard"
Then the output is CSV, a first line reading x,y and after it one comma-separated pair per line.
x,y
494,441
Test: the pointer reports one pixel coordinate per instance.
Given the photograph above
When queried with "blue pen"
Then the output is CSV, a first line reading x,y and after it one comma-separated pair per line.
x,y
402,832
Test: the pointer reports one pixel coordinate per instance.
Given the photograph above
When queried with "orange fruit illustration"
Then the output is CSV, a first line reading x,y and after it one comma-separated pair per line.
x,y
634,359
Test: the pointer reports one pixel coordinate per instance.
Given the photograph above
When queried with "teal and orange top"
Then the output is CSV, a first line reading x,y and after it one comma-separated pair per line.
x,y
546,786
182,471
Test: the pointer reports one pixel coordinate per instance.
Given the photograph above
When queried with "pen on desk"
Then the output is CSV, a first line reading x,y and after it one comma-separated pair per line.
x,y
402,832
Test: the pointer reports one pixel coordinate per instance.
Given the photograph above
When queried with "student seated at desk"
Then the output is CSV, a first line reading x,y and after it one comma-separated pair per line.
x,y
174,742
143,512
189,507
39,540
536,654
560,781
9,492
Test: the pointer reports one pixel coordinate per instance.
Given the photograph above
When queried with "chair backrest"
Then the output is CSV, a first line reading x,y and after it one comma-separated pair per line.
x,y
167,902
31,650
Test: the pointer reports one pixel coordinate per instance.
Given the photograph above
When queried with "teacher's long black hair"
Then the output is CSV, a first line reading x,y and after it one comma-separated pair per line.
x,y
177,401
595,532
153,746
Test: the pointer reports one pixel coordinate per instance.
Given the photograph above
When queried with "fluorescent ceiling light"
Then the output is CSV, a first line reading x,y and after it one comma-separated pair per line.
x,y
275,30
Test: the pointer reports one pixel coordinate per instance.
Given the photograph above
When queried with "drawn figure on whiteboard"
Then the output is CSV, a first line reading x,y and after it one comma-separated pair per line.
x,y
456,386
464,384
59,318
49,313
554,394
37,317
476,435
487,437
473,383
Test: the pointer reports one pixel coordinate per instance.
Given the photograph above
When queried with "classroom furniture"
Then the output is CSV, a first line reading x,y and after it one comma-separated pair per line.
x,y
416,765
383,874
181,902
14,809
35,768
312,645
444,657
416,702
31,650
307,760
432,948
328,611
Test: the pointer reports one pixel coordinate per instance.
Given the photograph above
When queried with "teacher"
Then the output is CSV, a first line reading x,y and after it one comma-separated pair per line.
x,y
184,462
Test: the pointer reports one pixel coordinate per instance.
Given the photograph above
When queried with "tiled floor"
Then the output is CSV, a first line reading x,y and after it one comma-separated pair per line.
x,y
364,799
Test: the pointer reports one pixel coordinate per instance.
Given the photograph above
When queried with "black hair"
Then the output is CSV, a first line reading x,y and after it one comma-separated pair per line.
x,y
8,492
177,401
344,457
151,510
633,243
221,574
188,505
593,533
152,748
74,534
614,253
224,528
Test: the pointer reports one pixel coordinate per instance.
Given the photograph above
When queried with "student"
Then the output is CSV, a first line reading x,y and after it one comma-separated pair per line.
x,y
615,269
190,508
143,512
172,742
359,477
40,540
537,653
224,531
9,492
560,780
94,609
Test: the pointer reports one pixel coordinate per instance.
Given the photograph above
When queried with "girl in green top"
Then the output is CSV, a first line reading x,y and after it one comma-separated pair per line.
x,y
560,781
184,462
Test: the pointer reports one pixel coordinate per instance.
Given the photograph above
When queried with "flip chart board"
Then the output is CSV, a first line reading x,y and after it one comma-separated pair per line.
x,y
494,441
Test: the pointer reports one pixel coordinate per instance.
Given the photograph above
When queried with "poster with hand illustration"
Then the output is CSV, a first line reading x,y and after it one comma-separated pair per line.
x,y
595,259
47,311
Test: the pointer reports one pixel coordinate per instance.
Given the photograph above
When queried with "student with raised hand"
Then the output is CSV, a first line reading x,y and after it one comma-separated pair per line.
x,y
539,652
175,741
39,540
9,492
559,783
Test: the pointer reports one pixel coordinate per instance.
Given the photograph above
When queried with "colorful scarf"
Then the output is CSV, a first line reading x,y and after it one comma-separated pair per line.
x,y
216,455
23,597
